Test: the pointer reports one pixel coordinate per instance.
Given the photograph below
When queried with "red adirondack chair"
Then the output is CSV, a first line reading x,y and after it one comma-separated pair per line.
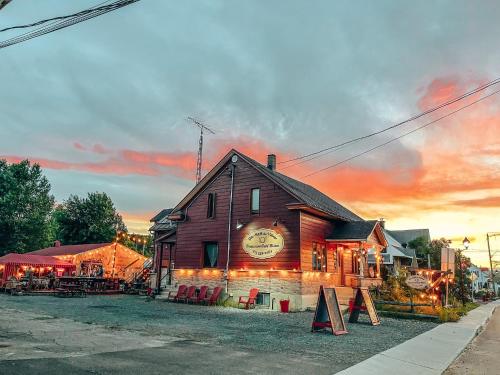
x,y
250,300
201,296
214,297
189,294
172,296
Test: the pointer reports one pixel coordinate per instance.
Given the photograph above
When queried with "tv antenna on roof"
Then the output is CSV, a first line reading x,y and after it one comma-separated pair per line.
x,y
202,127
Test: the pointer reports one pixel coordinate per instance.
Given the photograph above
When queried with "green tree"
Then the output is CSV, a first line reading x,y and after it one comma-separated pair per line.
x,y
25,207
424,248
92,219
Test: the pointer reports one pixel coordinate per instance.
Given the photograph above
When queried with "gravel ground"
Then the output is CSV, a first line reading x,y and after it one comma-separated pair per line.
x,y
254,330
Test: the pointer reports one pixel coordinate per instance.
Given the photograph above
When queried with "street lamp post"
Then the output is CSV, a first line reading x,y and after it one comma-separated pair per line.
x,y
492,276
466,244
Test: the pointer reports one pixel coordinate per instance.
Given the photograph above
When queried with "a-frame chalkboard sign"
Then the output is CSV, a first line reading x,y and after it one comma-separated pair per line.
x,y
328,314
363,295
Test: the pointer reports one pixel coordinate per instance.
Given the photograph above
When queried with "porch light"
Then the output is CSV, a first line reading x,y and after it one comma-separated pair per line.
x,y
239,225
466,243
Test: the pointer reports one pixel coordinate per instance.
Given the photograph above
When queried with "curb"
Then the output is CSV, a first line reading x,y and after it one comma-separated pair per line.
x,y
429,353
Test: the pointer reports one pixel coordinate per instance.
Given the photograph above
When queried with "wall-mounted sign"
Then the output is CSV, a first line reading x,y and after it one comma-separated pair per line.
x,y
263,243
417,282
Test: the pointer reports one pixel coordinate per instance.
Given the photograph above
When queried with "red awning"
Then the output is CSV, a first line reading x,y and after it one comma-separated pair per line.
x,y
33,260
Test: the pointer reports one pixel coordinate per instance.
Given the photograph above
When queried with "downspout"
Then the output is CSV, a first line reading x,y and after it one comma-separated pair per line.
x,y
230,217
158,267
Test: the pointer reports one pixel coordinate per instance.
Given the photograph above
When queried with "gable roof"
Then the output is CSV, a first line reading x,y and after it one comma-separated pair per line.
x,y
69,249
304,193
408,235
395,248
161,215
355,231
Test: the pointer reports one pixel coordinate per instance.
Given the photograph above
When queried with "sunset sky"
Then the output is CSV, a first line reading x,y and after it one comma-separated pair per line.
x,y
102,105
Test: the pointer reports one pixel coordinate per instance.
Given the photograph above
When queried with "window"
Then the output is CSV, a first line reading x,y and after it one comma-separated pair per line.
x,y
319,257
211,205
255,201
263,299
356,259
210,254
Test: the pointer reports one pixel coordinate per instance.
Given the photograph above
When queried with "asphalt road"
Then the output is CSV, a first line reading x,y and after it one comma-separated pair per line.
x,y
482,356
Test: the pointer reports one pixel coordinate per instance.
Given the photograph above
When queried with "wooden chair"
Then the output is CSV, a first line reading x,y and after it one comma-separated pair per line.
x,y
250,300
172,296
201,296
214,297
189,294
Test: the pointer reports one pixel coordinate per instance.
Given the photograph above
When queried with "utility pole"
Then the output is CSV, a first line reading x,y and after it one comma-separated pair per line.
x,y
202,127
488,235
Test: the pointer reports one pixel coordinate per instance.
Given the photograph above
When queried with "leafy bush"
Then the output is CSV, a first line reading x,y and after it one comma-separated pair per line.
x,y
453,314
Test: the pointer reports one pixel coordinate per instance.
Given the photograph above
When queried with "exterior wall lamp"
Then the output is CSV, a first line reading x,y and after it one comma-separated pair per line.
x,y
239,225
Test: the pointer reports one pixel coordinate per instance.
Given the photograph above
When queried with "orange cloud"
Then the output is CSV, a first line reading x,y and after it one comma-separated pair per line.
x,y
481,202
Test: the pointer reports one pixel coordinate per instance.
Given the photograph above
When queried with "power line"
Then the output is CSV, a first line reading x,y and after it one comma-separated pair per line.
x,y
449,102
53,19
401,136
56,25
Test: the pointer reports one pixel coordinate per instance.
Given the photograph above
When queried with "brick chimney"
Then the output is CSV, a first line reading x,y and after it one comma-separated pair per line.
x,y
271,162
57,243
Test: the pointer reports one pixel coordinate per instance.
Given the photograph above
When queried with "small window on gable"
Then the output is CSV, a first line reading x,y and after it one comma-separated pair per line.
x,y
211,205
255,201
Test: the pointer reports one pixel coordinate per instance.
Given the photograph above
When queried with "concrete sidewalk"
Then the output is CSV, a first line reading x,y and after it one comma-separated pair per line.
x,y
429,353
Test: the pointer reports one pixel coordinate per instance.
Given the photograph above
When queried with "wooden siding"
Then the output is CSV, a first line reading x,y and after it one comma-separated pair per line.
x,y
198,229
314,229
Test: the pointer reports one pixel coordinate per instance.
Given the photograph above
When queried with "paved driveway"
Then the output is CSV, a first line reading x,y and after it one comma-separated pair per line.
x,y
127,335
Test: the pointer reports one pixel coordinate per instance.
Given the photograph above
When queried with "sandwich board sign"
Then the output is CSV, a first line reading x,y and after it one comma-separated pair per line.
x,y
363,295
328,314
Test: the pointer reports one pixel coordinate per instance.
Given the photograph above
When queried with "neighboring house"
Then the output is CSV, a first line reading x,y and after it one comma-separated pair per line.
x,y
395,255
163,231
404,237
481,279
117,260
246,225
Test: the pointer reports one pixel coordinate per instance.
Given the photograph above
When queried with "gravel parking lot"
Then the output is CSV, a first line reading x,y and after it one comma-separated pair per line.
x,y
276,337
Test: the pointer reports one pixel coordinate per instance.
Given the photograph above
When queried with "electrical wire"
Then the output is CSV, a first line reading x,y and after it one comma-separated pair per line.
x,y
56,25
54,18
445,104
401,136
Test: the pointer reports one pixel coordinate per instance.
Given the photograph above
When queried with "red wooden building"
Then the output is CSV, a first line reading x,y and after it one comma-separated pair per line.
x,y
246,225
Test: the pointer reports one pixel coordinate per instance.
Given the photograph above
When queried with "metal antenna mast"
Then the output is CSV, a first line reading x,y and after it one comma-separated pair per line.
x,y
202,127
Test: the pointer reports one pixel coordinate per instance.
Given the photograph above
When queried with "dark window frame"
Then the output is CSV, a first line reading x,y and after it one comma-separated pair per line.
x,y
204,257
252,211
263,301
211,205
319,257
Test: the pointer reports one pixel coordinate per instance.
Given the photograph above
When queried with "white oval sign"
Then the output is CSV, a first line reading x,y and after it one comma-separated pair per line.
x,y
263,243
417,282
